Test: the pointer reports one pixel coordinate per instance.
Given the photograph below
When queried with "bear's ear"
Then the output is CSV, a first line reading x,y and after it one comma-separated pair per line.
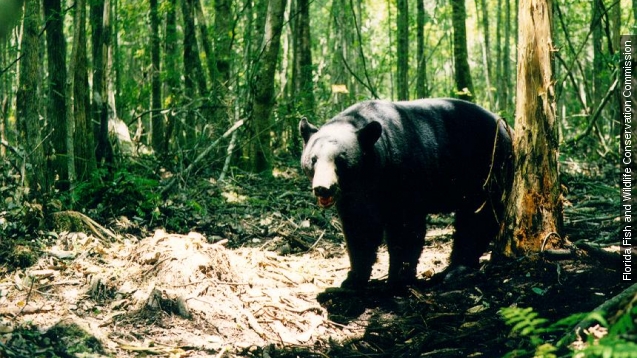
x,y
369,134
306,129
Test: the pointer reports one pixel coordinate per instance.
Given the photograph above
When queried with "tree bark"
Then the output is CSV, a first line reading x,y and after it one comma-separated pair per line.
x,y
202,26
191,71
343,50
263,96
172,89
223,29
402,50
100,38
28,103
534,210
462,72
194,77
157,119
83,140
302,81
56,109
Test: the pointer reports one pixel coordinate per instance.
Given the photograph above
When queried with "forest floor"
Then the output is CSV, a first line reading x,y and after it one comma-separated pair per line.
x,y
256,277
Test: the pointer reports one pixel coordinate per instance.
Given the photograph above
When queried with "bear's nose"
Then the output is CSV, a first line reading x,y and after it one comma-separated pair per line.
x,y
322,191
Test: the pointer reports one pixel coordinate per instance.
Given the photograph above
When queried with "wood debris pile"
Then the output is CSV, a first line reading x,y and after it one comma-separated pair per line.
x,y
169,292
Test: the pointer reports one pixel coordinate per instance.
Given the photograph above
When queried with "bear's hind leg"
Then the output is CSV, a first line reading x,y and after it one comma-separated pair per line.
x,y
473,233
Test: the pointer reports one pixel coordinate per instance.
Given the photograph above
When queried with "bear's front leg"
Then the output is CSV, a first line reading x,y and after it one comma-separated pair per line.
x,y
405,241
363,235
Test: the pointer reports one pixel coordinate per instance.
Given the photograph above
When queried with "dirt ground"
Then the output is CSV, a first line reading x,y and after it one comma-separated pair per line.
x,y
272,293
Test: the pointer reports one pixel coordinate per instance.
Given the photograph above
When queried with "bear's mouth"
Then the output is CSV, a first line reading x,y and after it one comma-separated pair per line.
x,y
325,201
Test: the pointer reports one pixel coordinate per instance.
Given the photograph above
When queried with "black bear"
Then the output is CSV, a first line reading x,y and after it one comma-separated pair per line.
x,y
386,165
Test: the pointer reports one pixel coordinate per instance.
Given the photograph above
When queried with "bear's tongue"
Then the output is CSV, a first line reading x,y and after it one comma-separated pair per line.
x,y
325,201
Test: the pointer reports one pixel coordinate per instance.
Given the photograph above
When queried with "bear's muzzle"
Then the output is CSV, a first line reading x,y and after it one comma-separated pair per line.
x,y
325,196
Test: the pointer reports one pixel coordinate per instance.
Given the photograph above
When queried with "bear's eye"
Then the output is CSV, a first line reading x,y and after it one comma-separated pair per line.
x,y
340,160
314,159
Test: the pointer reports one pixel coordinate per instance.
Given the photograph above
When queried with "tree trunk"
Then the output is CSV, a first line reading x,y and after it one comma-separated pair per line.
x,y
421,75
302,82
157,119
218,90
486,47
534,210
100,21
503,55
83,141
194,77
172,83
402,50
202,26
56,112
263,97
223,29
343,55
462,73
191,59
28,103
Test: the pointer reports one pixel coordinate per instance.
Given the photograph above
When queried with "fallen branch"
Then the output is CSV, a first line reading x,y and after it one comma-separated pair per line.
x,y
610,306
73,220
607,257
200,157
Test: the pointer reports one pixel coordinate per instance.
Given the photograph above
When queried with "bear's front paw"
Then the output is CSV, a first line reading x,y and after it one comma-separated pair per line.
x,y
354,282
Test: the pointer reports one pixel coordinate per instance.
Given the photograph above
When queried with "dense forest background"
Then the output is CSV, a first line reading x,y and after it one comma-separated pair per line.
x,y
125,124
86,84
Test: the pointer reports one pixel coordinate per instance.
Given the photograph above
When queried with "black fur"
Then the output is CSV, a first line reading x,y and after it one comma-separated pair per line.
x,y
410,159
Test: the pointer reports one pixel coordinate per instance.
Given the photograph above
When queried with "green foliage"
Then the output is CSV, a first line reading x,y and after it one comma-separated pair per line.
x,y
61,340
542,338
124,193
21,221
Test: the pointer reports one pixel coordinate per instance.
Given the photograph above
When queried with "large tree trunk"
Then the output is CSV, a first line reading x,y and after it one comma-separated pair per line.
x,y
301,94
27,100
191,72
263,97
83,140
56,109
302,67
223,29
534,211
462,73
100,37
402,50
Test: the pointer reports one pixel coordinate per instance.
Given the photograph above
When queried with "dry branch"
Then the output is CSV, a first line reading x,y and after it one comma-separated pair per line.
x,y
75,221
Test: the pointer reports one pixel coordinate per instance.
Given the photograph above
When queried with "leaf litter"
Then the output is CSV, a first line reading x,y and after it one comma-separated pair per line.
x,y
270,292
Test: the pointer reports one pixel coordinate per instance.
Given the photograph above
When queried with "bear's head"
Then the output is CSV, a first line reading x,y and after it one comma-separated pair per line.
x,y
334,154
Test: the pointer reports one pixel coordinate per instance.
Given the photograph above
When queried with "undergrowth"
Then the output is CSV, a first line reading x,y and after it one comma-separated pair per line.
x,y
545,339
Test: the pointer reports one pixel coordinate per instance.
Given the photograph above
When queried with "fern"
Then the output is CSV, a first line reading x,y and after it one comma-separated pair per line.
x,y
525,321
540,334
